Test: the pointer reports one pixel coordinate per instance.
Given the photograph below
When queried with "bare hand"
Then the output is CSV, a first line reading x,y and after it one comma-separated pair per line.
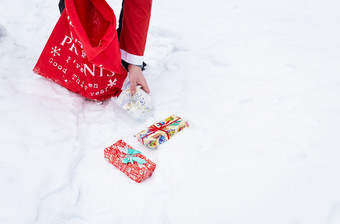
x,y
136,77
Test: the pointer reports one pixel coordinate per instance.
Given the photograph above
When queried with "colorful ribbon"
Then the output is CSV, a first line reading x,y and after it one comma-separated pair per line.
x,y
129,158
154,128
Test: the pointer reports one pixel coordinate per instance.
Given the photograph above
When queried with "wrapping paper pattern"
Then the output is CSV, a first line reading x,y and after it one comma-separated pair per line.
x,y
137,172
136,105
162,131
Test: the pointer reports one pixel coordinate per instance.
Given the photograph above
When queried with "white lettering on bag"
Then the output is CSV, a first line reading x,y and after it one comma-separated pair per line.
x,y
69,40
93,71
87,68
58,66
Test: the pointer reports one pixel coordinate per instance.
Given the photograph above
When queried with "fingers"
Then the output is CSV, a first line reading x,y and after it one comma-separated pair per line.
x,y
145,86
137,78
132,88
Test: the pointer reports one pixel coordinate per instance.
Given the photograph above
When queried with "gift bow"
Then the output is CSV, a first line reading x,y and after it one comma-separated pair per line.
x,y
129,158
153,128
131,101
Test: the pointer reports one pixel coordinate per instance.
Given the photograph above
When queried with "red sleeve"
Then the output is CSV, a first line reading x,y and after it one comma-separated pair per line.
x,y
136,19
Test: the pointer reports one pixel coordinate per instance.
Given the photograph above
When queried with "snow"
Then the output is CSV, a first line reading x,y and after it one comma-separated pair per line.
x,y
258,82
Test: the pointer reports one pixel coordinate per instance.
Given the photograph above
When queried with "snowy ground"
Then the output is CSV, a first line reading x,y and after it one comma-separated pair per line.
x,y
259,82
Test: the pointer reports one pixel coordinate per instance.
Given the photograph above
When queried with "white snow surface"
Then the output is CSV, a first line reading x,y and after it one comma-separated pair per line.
x,y
258,81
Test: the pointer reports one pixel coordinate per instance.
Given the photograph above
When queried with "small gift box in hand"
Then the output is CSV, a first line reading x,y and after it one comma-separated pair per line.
x,y
162,131
137,105
129,161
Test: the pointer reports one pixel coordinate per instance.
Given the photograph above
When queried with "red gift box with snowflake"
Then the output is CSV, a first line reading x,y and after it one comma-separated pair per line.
x,y
129,161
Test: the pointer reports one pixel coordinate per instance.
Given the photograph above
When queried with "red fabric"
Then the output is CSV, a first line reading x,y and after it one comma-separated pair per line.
x,y
83,53
135,171
136,19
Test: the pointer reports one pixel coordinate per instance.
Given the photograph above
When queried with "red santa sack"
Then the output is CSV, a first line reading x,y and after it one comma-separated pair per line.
x,y
83,53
